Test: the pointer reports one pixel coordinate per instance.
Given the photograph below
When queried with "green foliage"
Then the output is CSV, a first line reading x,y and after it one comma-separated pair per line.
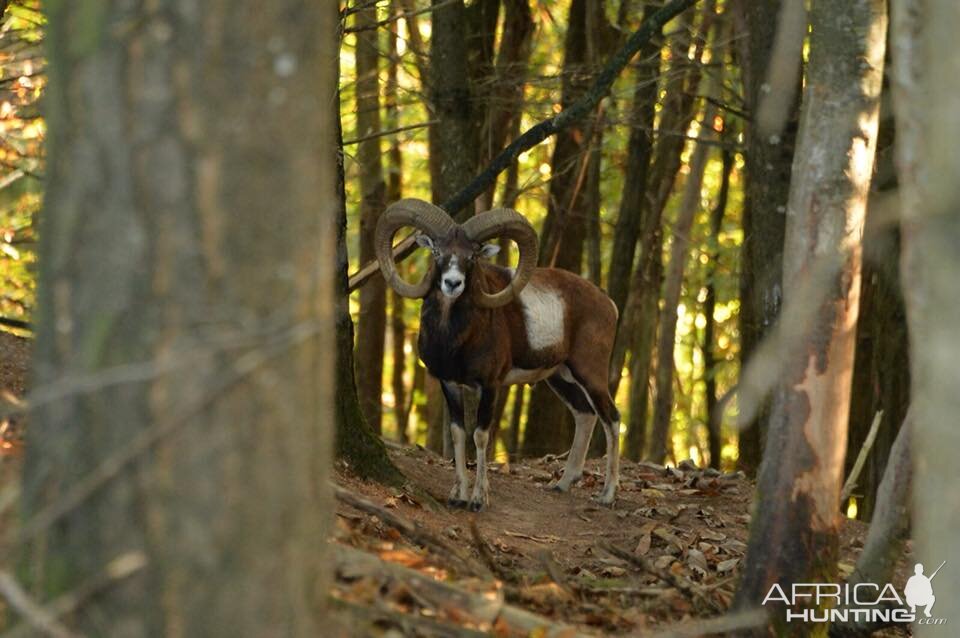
x,y
22,131
541,101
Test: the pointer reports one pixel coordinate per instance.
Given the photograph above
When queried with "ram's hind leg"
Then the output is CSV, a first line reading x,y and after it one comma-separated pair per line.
x,y
576,399
610,417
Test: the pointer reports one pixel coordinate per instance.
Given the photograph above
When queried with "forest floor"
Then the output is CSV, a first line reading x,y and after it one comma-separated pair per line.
x,y
534,562
683,533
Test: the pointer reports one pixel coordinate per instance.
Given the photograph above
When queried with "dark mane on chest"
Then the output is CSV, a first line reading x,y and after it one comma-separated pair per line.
x,y
455,337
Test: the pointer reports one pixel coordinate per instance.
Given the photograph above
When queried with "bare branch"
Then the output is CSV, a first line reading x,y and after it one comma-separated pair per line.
x,y
543,130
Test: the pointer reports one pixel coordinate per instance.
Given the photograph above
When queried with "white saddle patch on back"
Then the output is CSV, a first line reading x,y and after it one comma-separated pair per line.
x,y
543,316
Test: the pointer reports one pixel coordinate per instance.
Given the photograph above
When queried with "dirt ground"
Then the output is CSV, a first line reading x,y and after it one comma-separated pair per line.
x,y
541,551
550,549
14,368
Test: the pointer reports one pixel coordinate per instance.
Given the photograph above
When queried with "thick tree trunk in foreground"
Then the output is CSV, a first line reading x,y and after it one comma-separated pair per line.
x,y
156,248
793,536
766,190
372,318
926,87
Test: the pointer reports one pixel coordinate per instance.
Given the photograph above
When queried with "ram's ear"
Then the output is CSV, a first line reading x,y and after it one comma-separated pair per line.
x,y
425,241
489,250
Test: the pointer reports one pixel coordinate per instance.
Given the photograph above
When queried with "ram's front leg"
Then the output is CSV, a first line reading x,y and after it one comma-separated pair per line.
x,y
453,394
481,437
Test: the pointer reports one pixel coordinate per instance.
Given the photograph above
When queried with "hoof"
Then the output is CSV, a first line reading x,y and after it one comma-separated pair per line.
x,y
604,499
475,506
556,487
457,503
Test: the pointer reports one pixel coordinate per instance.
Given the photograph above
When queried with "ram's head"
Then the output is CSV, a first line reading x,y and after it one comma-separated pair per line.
x,y
455,249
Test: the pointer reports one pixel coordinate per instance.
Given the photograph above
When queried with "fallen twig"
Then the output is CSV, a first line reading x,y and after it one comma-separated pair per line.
x,y
545,557
118,569
851,482
719,625
412,530
409,624
485,554
484,609
665,575
32,612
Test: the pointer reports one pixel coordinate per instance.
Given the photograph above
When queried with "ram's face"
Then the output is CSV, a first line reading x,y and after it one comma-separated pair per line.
x,y
455,257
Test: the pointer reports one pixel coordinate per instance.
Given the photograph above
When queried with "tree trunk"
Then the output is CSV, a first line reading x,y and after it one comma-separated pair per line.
x,y
453,145
881,372
627,231
793,537
157,252
549,422
395,192
356,444
663,402
710,364
639,327
766,190
516,415
453,139
372,318
925,90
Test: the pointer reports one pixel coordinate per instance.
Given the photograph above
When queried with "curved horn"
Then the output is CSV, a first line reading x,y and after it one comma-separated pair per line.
x,y
425,217
503,222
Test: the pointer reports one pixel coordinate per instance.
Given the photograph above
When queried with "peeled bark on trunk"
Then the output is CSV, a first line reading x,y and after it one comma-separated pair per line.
x,y
926,84
794,534
156,251
710,364
663,401
766,190
372,318
881,372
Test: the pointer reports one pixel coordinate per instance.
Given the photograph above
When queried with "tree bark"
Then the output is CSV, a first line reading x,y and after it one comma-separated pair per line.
x,y
639,327
710,364
793,537
549,422
766,190
925,90
395,192
372,317
881,372
627,231
157,252
689,205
